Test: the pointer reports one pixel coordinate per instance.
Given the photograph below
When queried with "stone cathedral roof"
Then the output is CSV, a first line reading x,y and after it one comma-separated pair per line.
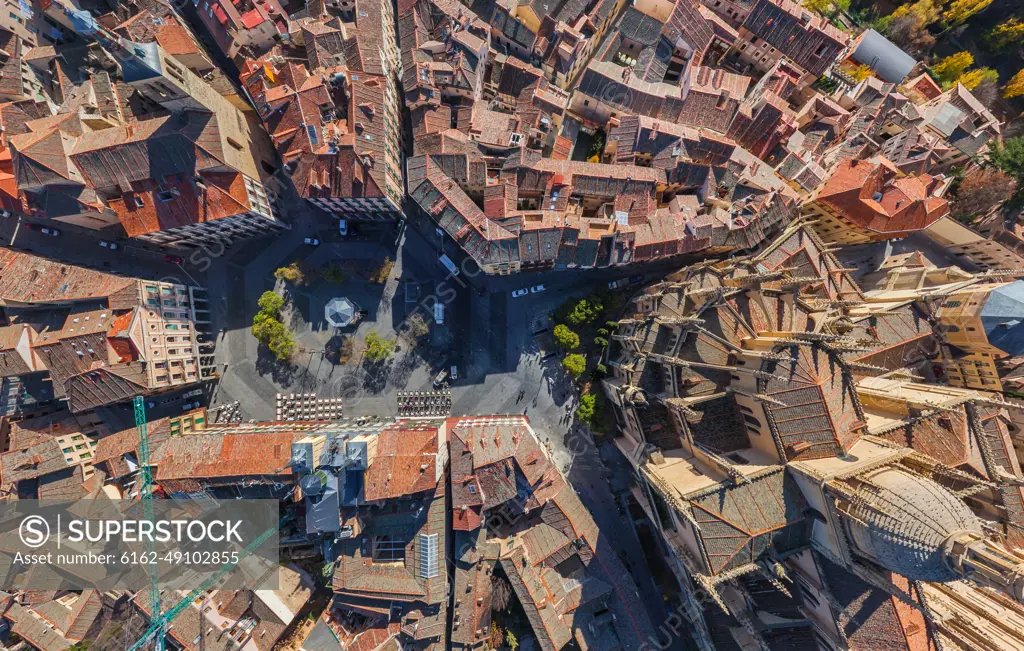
x,y
903,521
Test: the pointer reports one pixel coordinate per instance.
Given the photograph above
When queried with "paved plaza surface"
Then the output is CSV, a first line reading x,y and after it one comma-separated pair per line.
x,y
500,345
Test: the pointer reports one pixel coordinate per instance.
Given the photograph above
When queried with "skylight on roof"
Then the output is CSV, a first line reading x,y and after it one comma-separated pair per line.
x,y
428,555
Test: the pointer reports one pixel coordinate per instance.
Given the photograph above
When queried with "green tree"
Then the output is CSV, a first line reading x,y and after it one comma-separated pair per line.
x,y
333,274
585,412
272,333
282,344
264,326
377,347
575,364
584,312
1009,157
513,643
972,78
566,338
596,146
611,325
270,303
1005,34
961,10
600,342
953,66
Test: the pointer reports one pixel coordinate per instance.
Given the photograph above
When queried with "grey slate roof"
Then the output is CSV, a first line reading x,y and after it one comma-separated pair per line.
x,y
886,59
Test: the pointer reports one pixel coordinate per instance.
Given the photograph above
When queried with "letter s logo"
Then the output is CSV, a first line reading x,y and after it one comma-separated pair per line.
x,y
34,531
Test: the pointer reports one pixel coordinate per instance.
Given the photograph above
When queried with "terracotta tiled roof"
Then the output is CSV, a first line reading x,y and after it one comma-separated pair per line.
x,y
150,207
224,454
406,463
873,197
26,278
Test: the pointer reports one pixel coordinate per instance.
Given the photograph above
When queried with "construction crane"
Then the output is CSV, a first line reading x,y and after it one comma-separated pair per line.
x,y
146,494
159,622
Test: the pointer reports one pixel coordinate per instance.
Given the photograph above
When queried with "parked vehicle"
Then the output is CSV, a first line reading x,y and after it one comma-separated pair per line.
x,y
5,213
173,259
312,241
453,373
537,289
46,230
439,313
343,227
440,377
520,292
615,284
108,245
448,264
636,280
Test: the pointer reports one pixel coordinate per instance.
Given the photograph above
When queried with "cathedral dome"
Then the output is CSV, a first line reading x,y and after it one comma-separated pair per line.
x,y
902,520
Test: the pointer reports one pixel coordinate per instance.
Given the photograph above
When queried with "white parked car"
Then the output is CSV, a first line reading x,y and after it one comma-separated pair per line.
x,y
454,373
441,376
312,241
537,289
108,245
520,292
5,213
50,231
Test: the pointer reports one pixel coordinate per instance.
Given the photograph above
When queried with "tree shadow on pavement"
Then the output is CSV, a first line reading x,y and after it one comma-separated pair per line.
x,y
282,373
403,368
377,372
